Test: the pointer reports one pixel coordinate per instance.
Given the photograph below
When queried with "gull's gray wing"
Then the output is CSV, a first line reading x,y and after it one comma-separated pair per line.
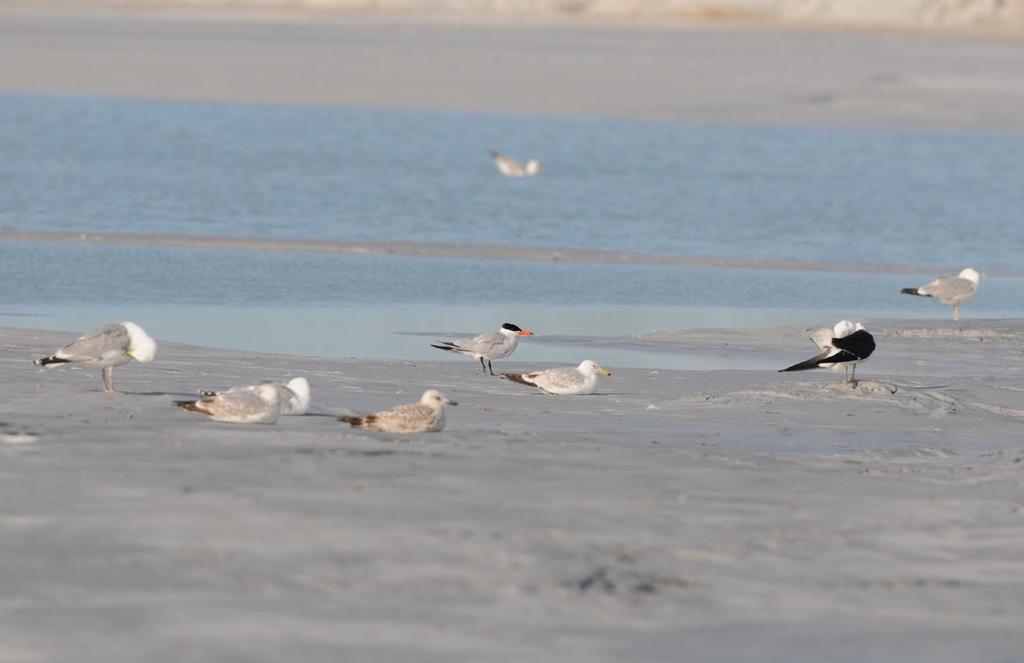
x,y
558,378
410,418
97,344
237,404
948,288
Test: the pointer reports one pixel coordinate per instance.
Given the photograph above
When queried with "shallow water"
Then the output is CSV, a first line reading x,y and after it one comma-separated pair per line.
x,y
275,171
114,165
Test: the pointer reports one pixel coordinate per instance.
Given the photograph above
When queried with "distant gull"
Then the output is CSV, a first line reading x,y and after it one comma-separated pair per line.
x,y
511,168
846,344
250,404
567,381
491,345
106,347
950,290
294,395
427,416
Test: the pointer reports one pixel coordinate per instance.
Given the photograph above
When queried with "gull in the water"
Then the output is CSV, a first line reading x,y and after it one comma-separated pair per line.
x,y
491,345
250,404
511,168
427,416
567,381
951,290
294,395
106,347
846,344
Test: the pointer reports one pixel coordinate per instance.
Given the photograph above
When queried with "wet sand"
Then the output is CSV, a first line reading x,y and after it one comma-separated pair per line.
x,y
730,515
693,72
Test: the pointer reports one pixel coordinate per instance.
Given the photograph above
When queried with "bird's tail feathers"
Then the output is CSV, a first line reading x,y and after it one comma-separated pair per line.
x,y
50,361
913,291
356,422
518,377
191,406
446,345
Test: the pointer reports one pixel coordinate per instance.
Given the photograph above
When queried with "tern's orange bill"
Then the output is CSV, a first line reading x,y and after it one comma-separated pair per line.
x,y
524,332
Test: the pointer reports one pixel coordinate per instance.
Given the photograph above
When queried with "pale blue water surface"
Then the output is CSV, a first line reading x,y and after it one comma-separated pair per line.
x,y
90,164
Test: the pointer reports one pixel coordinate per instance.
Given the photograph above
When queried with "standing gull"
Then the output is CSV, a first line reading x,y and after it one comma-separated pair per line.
x,y
251,404
106,347
427,416
567,381
950,290
511,168
492,345
294,395
847,344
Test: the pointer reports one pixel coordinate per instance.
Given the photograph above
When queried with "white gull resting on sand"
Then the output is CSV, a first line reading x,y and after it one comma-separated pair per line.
x,y
847,344
251,404
566,381
512,168
294,395
427,416
492,345
950,290
106,347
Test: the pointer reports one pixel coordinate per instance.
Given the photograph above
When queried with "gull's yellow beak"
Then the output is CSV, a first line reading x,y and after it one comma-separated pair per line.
x,y
127,353
605,373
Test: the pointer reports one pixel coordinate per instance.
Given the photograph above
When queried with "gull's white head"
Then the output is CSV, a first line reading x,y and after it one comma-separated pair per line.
x,y
435,399
589,367
141,345
845,328
268,393
971,275
532,167
300,387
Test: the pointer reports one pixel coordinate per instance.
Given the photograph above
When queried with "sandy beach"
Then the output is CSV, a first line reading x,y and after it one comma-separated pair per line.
x,y
682,71
723,514
713,515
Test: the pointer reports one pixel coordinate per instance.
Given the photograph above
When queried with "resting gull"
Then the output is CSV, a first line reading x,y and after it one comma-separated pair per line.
x,y
251,404
492,345
567,381
106,347
950,290
427,416
846,344
294,395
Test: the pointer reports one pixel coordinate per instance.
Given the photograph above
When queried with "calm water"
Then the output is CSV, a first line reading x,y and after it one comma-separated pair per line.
x,y
140,167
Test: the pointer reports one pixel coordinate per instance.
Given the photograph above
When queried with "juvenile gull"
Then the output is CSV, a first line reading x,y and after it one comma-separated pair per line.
x,y
950,290
251,404
846,344
427,416
294,395
106,347
511,168
567,381
492,345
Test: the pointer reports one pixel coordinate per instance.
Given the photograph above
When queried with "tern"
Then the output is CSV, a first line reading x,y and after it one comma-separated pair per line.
x,y
511,168
491,345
